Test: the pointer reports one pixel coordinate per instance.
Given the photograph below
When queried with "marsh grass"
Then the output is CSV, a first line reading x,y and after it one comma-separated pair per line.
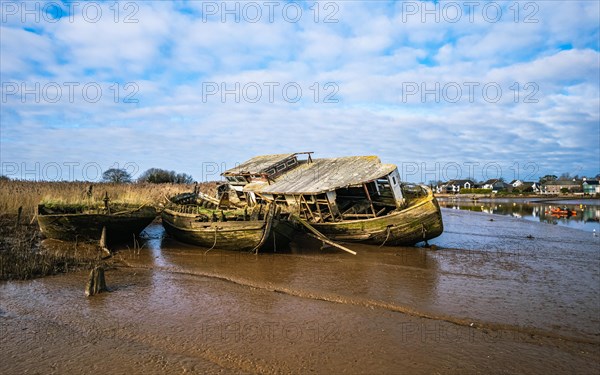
x,y
22,257
22,253
28,194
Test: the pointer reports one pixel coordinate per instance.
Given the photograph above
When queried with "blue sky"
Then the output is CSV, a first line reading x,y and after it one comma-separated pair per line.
x,y
444,90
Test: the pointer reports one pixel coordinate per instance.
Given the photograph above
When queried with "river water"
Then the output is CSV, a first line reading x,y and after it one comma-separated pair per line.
x,y
586,217
496,294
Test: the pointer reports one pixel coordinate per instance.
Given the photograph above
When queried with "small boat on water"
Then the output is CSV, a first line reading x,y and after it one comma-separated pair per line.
x,y
200,220
354,199
561,212
82,223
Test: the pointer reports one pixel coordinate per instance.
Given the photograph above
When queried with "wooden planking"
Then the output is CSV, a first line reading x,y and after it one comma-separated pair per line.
x,y
324,175
257,164
406,226
89,226
223,235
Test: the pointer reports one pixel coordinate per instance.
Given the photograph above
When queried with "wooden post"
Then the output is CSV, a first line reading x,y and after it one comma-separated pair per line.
x,y
103,243
370,201
331,208
316,199
106,200
96,282
308,207
20,212
103,238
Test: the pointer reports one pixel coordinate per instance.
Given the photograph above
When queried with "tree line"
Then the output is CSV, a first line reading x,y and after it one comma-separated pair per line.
x,y
152,175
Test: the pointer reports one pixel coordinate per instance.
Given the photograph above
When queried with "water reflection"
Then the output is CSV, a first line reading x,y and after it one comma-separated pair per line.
x,y
584,214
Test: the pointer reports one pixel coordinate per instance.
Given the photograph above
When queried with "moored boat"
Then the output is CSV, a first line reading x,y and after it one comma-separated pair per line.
x,y
561,212
80,223
194,219
355,199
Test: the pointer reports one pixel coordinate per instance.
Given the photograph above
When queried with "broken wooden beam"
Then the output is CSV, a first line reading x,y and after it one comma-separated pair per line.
x,y
320,236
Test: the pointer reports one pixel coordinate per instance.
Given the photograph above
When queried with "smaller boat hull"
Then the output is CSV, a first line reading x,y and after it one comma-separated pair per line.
x,y
88,227
228,235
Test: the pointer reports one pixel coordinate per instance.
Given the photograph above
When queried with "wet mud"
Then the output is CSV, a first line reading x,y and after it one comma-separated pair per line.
x,y
500,296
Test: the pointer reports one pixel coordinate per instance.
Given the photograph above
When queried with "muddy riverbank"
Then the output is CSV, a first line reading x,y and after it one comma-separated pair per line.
x,y
506,296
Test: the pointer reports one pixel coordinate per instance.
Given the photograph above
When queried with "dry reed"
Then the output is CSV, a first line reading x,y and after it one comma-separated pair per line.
x,y
22,255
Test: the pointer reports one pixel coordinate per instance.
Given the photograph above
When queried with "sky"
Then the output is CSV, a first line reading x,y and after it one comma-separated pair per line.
x,y
444,90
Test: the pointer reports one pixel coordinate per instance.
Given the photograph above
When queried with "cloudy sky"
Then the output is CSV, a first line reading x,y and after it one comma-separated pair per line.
x,y
444,90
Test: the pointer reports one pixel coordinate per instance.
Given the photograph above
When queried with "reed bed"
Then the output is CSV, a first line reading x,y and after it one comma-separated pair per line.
x,y
22,255
28,194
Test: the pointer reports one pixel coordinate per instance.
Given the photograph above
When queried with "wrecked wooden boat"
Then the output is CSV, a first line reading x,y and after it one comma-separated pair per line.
x,y
354,199
260,169
200,220
121,222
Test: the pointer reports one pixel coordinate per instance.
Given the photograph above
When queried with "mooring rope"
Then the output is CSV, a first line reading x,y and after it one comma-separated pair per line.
x,y
215,243
389,230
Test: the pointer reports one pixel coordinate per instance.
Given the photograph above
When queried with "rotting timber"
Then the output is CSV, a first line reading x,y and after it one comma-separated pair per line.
x,y
355,199
120,222
200,220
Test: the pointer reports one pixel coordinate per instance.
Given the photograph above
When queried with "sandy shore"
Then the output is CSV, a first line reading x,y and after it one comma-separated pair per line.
x,y
506,296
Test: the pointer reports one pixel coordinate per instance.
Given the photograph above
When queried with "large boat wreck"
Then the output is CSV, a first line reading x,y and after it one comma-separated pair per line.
x,y
341,199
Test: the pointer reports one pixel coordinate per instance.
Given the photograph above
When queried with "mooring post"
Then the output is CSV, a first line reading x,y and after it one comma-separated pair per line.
x,y
19,213
96,282
103,238
103,242
106,200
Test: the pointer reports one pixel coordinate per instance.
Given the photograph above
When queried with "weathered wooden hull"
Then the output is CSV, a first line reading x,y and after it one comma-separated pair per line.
x,y
228,235
419,222
88,227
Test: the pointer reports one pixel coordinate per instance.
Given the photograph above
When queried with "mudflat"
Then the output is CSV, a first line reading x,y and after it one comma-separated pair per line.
x,y
495,295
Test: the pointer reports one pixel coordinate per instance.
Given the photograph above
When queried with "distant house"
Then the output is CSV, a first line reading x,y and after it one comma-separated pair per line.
x,y
519,185
496,185
555,187
591,187
440,187
455,186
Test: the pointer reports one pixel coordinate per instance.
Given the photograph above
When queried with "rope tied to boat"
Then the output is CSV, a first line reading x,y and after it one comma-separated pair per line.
x,y
389,230
214,243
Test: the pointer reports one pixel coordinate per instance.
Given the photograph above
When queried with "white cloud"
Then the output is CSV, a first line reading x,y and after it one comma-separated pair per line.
x,y
371,53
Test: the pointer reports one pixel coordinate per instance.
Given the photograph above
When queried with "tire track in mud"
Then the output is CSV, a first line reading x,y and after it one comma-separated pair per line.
x,y
368,303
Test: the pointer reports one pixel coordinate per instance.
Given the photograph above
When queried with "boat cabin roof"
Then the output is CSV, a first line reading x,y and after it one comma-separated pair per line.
x,y
259,165
324,175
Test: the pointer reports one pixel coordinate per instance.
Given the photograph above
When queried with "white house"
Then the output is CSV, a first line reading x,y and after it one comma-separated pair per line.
x,y
455,186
